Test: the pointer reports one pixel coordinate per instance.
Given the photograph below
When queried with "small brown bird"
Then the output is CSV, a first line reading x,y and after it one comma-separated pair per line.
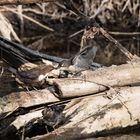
x,y
52,117
34,77
27,73
83,59
17,56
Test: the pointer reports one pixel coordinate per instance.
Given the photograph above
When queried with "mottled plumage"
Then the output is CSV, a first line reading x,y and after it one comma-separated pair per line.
x,y
83,59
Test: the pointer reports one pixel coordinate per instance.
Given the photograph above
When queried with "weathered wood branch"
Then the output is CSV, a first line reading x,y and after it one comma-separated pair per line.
x,y
25,99
96,81
90,82
18,2
75,87
100,115
100,109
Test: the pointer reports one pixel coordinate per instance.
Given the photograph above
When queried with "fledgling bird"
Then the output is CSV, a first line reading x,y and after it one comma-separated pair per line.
x,y
27,73
18,56
52,117
34,77
83,59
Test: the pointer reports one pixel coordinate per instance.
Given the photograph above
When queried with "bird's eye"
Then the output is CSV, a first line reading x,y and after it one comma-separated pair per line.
x,y
84,53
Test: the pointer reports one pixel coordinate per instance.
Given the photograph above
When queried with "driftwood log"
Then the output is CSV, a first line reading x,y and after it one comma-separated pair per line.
x,y
99,115
110,112
89,114
89,82
101,102
26,99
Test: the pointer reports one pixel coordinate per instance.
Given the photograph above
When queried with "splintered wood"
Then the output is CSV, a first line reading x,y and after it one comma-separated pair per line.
x,y
89,114
86,101
98,115
91,82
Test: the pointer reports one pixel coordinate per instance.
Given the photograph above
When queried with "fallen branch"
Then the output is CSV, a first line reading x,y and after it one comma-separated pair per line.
x,y
91,82
100,115
122,49
25,99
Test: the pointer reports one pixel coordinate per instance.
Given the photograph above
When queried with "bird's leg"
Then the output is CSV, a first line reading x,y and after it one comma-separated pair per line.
x,y
55,131
46,127
35,88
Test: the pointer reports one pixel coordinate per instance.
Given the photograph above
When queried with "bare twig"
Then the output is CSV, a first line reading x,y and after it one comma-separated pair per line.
x,y
123,50
110,32
100,8
86,6
125,33
30,19
76,33
2,71
96,29
18,2
20,11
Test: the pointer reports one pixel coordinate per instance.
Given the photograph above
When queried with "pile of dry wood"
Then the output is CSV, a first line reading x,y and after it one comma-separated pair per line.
x,y
74,103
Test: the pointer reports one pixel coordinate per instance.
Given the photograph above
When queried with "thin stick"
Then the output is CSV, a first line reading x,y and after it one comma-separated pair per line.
x,y
118,45
100,29
30,19
19,2
125,33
